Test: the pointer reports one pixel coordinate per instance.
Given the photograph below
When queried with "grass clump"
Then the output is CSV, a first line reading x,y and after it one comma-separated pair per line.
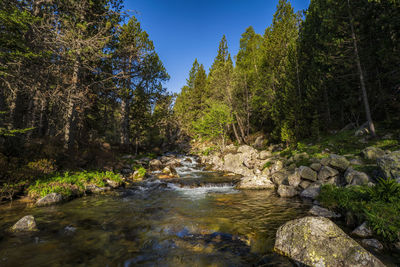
x,y
70,185
378,205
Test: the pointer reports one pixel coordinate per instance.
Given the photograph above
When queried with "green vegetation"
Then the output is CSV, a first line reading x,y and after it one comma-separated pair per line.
x,y
342,143
378,205
214,122
71,184
141,173
305,77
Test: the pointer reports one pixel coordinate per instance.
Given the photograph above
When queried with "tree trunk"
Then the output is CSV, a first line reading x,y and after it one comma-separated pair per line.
x,y
70,112
236,134
125,110
361,73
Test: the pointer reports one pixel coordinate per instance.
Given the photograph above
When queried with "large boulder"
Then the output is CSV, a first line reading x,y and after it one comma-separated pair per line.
x,y
311,191
390,165
327,172
234,163
277,166
287,191
372,153
26,224
307,173
255,182
317,241
354,177
248,151
50,199
338,162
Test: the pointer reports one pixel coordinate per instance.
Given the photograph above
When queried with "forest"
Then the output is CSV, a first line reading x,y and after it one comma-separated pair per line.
x,y
310,73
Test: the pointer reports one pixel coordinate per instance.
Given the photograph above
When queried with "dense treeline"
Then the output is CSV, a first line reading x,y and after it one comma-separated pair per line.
x,y
79,72
338,63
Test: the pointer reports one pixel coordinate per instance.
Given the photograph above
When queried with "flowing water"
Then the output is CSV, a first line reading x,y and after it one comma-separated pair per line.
x,y
199,220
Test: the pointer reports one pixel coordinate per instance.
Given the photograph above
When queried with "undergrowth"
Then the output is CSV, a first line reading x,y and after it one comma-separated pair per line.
x,y
71,184
379,205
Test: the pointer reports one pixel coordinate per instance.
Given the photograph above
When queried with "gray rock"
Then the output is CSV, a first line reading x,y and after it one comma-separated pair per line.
x,y
169,170
316,166
126,171
362,231
277,166
327,172
372,153
279,178
325,161
26,224
265,154
255,182
287,191
338,162
312,191
317,241
95,189
390,165
259,143
248,150
319,211
307,173
155,164
373,243
356,161
234,163
354,177
49,199
333,180
304,184
294,179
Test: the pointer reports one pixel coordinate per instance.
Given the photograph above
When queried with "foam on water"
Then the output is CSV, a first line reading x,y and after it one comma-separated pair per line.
x,y
203,191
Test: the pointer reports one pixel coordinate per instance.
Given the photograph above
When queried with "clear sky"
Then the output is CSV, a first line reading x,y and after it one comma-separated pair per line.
x,y
183,30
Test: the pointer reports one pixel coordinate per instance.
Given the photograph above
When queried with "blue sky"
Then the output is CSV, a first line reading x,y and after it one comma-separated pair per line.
x,y
183,30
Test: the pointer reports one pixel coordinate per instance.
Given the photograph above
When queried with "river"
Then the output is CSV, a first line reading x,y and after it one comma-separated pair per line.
x,y
200,220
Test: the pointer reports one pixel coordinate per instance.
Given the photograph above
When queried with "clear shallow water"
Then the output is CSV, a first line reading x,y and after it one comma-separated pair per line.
x,y
192,223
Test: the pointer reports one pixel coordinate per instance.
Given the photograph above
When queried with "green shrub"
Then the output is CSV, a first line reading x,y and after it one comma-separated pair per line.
x,y
267,164
378,205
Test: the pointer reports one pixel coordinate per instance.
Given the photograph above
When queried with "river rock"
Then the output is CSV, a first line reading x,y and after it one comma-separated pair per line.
x,y
234,163
277,166
255,182
362,231
248,151
338,162
372,153
169,170
49,199
307,173
372,243
26,224
279,178
114,184
319,211
311,191
316,166
327,172
287,191
294,179
390,165
354,177
155,164
317,241
304,184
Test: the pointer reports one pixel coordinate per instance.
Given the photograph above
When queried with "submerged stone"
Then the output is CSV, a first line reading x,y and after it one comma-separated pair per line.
x,y
26,224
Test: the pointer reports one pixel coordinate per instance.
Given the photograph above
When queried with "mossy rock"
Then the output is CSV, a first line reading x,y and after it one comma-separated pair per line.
x,y
317,241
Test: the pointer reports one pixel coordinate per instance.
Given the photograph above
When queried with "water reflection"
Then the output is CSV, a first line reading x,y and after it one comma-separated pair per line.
x,y
168,225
